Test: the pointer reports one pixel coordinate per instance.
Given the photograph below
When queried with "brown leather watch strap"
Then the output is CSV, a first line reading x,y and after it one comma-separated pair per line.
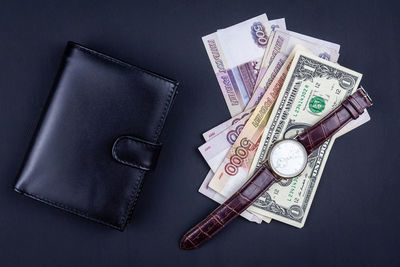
x,y
261,180
350,109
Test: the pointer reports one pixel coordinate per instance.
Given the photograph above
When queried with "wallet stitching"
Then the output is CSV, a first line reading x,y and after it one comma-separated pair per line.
x,y
144,143
133,197
85,214
163,115
121,63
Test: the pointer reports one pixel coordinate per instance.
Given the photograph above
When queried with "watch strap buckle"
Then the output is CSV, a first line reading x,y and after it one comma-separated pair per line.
x,y
366,95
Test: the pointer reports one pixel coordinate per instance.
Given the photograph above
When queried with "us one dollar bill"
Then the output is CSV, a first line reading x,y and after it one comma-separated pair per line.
x,y
235,54
312,89
281,44
223,145
283,41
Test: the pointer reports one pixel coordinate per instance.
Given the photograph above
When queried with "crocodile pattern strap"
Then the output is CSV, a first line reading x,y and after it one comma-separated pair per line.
x,y
350,109
261,180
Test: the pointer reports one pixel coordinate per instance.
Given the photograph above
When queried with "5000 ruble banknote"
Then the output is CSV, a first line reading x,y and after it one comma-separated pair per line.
x,y
233,171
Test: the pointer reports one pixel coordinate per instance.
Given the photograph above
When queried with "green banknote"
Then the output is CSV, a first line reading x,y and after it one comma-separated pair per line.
x,y
312,88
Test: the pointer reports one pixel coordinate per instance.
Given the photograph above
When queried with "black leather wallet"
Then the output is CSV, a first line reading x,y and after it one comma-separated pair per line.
x,y
97,137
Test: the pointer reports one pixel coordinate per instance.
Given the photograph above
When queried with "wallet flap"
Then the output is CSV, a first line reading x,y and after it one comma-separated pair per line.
x,y
136,152
96,101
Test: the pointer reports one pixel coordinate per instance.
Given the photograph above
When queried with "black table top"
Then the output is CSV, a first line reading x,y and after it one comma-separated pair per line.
x,y
354,219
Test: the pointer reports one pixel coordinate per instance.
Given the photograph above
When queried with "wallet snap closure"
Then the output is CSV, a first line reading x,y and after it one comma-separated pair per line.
x,y
136,152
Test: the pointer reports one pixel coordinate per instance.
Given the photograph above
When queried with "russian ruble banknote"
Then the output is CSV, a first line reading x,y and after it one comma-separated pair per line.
x,y
233,171
268,76
282,43
213,152
226,124
277,24
312,89
235,54
215,149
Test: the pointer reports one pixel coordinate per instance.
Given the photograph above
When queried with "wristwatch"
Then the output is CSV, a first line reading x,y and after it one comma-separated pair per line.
x,y
286,159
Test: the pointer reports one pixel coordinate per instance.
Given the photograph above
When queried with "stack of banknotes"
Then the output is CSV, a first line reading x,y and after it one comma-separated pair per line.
x,y
261,68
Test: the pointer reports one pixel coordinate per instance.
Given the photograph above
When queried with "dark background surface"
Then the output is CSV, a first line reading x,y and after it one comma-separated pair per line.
x,y
354,219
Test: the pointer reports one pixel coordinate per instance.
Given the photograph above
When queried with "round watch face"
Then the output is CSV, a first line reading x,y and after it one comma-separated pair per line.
x,y
287,158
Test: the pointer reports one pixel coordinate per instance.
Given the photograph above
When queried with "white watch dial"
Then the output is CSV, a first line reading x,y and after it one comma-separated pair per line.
x,y
288,158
